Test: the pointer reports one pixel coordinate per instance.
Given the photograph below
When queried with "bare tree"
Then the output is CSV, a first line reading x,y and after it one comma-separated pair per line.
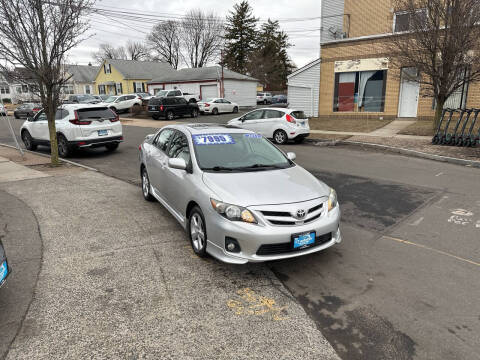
x,y
201,38
164,42
441,39
108,51
137,51
38,35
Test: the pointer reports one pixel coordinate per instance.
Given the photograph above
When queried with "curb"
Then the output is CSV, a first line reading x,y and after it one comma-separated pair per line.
x,y
48,156
413,153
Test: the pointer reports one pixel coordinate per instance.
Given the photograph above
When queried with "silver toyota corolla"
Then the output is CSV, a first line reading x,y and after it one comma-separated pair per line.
x,y
238,196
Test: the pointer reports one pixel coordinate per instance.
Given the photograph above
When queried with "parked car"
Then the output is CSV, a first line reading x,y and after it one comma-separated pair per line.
x,y
103,96
144,96
82,99
256,203
3,111
26,110
264,98
191,98
169,107
78,126
5,270
217,105
279,99
279,124
122,103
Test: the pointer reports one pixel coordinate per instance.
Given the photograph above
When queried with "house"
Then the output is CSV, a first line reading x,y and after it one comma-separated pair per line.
x,y
357,78
303,88
82,79
207,81
128,76
22,85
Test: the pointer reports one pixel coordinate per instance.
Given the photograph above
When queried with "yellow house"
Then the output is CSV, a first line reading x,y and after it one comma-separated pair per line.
x,y
117,77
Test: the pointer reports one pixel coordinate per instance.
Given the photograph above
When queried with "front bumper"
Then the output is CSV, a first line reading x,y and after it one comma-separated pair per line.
x,y
97,142
251,237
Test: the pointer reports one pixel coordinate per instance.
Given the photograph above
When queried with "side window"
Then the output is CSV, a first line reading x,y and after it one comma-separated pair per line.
x,y
59,114
121,98
254,115
41,116
171,93
161,141
182,101
178,93
272,114
179,147
226,101
218,101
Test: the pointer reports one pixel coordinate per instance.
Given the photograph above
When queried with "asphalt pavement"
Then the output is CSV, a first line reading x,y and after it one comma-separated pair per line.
x,y
403,283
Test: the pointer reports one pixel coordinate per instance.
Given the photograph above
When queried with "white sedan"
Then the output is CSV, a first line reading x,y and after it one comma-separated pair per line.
x,y
216,106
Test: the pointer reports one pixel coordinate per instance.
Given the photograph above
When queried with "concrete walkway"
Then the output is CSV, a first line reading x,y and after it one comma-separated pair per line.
x,y
119,280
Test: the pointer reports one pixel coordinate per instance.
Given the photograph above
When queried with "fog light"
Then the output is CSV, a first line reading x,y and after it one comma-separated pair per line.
x,y
232,245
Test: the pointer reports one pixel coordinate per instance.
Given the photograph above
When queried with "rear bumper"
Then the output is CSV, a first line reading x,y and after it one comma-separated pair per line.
x,y
96,142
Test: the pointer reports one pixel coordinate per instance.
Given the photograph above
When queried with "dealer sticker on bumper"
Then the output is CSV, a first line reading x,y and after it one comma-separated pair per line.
x,y
303,240
3,271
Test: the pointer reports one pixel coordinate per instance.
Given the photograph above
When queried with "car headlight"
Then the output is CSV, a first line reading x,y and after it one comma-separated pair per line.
x,y
332,200
233,212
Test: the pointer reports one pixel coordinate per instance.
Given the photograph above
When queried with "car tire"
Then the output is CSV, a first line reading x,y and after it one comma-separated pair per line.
x,y
16,116
265,102
155,117
114,109
197,232
147,195
280,137
28,141
194,113
112,146
170,115
215,111
235,109
63,147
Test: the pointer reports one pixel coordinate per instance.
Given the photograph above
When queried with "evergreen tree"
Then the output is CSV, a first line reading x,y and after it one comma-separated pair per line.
x,y
270,62
240,36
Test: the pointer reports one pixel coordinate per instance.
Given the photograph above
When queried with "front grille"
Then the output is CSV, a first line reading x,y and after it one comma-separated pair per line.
x,y
284,248
275,213
286,218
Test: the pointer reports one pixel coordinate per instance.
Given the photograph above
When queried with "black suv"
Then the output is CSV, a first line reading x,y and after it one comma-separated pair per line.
x,y
169,107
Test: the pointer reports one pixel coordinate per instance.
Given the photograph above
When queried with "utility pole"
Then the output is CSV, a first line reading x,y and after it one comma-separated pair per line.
x,y
222,81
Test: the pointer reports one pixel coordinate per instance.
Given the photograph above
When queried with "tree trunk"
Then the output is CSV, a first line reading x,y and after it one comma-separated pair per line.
x,y
438,111
50,112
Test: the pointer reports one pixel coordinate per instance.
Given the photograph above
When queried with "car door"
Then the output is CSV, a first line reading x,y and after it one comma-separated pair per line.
x,y
157,161
39,127
183,107
252,120
176,180
121,103
270,122
227,106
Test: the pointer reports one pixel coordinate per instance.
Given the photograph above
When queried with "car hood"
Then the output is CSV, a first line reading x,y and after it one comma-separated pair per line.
x,y
270,187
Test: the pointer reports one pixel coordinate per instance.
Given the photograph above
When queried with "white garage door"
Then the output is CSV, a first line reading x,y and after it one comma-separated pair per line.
x,y
208,91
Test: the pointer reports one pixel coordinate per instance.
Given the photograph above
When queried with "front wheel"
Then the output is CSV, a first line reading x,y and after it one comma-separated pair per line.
x,y
194,113
170,115
197,232
215,111
265,102
280,137
63,147
235,109
146,186
28,141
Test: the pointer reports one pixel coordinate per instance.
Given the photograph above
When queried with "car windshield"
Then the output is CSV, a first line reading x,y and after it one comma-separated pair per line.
x,y
85,97
111,99
162,93
95,113
237,152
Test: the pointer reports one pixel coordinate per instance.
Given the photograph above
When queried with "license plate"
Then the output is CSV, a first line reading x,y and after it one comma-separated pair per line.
x,y
102,132
3,271
303,241
153,108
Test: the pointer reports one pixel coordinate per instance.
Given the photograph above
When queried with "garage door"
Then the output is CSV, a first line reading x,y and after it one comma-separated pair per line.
x,y
208,91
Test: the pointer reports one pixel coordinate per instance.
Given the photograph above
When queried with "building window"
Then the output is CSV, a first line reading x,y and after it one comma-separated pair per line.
x,y
88,89
361,91
4,90
402,20
118,88
24,89
138,87
68,89
101,89
18,89
107,68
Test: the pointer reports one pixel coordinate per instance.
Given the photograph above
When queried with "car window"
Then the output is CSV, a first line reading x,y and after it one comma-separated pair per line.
x,y
218,101
179,147
182,101
171,93
254,115
298,115
60,114
161,141
41,116
121,98
178,93
226,101
272,114
95,113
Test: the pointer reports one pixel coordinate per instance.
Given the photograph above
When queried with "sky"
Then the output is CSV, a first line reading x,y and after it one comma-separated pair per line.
x,y
296,18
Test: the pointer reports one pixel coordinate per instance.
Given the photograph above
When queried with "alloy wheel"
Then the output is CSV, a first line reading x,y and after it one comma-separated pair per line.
x,y
280,137
197,232
145,184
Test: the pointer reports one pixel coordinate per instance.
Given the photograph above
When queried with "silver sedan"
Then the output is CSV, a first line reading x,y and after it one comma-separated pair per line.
x,y
239,197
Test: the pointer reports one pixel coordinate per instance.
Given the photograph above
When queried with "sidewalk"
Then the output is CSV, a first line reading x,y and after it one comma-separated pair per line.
x,y
119,280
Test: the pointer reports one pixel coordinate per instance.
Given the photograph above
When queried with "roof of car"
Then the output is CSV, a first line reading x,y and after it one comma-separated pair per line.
x,y
79,106
210,128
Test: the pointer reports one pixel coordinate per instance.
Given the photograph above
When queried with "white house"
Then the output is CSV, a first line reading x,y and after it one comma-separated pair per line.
x,y
303,88
206,81
82,79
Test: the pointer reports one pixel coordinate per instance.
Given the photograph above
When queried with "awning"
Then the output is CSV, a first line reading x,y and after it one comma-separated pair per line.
x,y
361,65
108,83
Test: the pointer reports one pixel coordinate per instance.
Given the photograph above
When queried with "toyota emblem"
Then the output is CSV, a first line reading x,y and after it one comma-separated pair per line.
x,y
301,213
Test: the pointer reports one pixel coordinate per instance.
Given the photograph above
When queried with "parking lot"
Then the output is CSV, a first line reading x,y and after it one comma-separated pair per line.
x,y
402,284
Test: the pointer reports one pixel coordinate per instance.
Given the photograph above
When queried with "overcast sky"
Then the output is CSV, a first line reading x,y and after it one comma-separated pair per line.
x,y
304,34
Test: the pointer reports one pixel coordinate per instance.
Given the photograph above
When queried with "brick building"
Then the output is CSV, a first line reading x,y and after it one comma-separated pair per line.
x,y
356,77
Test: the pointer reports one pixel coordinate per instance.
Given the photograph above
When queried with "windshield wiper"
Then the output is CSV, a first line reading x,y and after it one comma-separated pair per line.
x,y
218,168
260,166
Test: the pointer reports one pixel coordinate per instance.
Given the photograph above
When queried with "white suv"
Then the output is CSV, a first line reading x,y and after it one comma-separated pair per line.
x,y
78,126
122,102
264,98
279,124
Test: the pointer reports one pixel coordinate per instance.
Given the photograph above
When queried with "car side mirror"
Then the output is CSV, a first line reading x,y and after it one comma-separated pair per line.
x,y
291,156
30,119
149,137
177,163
